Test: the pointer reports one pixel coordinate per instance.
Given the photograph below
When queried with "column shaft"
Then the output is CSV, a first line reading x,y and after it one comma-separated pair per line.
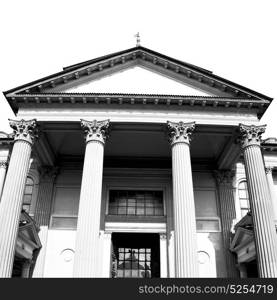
x,y
11,204
261,207
86,259
260,200
186,262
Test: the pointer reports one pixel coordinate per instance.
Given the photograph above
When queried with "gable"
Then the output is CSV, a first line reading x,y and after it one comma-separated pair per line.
x,y
92,81
133,80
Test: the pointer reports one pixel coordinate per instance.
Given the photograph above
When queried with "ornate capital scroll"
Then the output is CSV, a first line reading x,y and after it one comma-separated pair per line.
x,y
4,164
251,134
24,130
95,130
180,132
224,176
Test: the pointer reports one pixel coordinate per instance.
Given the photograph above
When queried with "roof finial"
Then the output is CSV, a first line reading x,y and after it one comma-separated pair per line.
x,y
138,39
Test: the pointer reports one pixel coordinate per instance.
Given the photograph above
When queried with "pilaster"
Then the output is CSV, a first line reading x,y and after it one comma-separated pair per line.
x,y
163,255
42,213
226,192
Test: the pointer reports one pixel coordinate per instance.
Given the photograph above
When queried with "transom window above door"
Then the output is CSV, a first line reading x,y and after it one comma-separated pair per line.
x,y
136,203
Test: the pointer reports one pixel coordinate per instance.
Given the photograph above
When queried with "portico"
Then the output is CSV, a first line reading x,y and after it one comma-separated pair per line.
x,y
112,166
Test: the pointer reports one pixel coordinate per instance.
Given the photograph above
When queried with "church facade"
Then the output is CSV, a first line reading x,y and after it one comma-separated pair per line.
x,y
105,184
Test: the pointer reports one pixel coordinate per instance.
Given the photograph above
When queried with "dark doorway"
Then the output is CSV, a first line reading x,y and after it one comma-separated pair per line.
x,y
135,255
252,269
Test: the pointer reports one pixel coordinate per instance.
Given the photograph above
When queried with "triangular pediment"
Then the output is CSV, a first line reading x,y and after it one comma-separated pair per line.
x,y
135,73
133,80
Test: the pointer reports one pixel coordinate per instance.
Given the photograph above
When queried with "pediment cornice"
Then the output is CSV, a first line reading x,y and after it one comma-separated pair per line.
x,y
137,99
51,87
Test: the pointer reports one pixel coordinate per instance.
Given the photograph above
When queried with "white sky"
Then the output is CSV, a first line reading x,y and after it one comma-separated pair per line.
x,y
236,39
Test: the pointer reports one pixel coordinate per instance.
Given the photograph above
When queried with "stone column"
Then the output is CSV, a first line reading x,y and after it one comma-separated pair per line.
x,y
260,200
226,193
12,195
88,227
42,213
185,239
3,169
268,171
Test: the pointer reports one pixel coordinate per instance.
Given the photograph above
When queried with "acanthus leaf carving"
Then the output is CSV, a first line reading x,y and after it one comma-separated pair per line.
x,y
24,130
251,134
95,130
180,132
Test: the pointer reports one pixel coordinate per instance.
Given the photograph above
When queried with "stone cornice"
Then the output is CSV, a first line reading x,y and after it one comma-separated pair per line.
x,y
137,99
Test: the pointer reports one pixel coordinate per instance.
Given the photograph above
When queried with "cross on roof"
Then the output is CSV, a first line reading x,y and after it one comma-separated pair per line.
x,y
138,39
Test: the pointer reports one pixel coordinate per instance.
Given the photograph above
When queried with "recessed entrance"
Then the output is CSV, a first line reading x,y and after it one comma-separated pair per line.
x,y
135,255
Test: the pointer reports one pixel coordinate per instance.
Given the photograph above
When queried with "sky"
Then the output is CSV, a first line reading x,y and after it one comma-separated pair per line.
x,y
236,39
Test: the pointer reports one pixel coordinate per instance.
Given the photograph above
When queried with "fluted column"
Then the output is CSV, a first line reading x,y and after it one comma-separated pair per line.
x,y
3,169
42,213
228,214
185,241
87,239
260,200
268,171
12,196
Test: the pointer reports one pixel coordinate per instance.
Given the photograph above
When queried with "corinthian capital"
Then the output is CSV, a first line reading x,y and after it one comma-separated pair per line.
x,y
24,130
180,132
48,173
251,134
95,130
224,176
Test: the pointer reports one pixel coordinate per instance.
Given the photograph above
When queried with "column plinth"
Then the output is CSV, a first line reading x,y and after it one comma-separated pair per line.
x,y
87,237
260,200
185,239
224,180
12,195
